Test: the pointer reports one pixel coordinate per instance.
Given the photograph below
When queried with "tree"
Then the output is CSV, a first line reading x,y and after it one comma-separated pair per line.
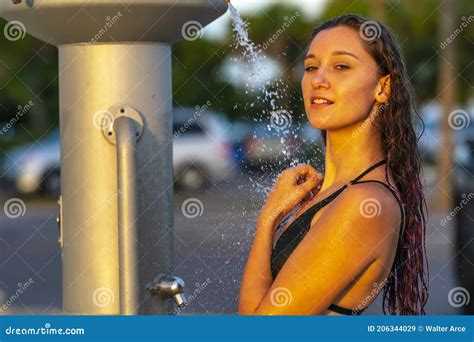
x,y
446,94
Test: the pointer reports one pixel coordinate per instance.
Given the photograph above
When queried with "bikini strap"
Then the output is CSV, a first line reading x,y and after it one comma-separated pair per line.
x,y
376,165
344,311
336,193
317,206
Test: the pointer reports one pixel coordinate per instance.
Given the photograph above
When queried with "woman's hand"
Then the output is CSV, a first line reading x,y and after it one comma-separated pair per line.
x,y
292,187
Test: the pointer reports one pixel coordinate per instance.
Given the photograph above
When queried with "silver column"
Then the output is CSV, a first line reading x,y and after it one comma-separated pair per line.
x,y
126,137
92,79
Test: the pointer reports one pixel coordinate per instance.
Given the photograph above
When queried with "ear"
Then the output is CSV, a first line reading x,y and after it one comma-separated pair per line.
x,y
383,89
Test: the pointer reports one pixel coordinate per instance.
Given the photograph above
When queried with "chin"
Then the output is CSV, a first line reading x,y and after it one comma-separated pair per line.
x,y
319,122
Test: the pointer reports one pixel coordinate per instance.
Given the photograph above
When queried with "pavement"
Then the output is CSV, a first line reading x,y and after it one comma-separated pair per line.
x,y
210,252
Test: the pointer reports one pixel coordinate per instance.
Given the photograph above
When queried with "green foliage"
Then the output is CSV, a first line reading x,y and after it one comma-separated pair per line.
x,y
416,26
28,67
28,72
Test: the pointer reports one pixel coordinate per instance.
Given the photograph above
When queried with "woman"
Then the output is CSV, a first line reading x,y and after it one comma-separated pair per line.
x,y
361,227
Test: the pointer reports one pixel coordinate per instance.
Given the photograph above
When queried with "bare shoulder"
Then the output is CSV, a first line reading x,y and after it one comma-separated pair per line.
x,y
367,208
353,233
374,203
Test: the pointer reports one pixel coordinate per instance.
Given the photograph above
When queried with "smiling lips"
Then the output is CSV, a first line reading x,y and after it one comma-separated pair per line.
x,y
320,102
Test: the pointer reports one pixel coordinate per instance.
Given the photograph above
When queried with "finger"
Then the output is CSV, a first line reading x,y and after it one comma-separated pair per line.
x,y
313,183
298,175
306,170
308,197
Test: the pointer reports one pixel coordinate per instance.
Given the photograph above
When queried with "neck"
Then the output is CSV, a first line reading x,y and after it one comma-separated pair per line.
x,y
349,152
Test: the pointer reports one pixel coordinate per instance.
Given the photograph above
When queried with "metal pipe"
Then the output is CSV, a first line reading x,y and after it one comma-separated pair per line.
x,y
129,63
125,130
93,79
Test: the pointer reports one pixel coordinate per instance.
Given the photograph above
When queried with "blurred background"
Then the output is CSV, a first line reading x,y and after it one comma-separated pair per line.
x,y
228,155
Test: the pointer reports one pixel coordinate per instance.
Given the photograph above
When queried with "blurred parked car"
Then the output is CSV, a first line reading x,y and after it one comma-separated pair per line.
x,y
200,155
33,167
430,140
266,147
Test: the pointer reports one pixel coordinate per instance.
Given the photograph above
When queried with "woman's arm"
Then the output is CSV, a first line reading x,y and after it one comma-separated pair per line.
x,y
291,187
344,245
257,277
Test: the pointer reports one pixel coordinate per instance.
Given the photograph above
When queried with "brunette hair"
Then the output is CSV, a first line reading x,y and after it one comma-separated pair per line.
x,y
406,289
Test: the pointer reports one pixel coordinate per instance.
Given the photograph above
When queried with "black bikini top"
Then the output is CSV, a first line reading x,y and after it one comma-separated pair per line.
x,y
294,234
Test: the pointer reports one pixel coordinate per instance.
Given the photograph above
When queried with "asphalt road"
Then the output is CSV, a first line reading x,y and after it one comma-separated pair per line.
x,y
210,252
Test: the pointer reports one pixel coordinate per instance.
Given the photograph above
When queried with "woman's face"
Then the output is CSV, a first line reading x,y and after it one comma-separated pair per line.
x,y
338,69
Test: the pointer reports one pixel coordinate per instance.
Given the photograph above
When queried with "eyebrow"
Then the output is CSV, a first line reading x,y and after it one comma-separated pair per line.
x,y
335,53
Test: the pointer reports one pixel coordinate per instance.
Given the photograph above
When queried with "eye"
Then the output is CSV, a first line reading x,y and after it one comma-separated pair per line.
x,y
342,67
310,68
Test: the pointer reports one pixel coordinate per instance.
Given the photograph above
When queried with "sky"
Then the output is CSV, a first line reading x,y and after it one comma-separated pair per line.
x,y
219,28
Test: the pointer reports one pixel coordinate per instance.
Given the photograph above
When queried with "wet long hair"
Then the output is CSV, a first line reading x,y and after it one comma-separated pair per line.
x,y
406,288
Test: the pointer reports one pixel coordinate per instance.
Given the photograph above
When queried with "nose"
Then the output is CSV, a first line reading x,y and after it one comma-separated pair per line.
x,y
319,80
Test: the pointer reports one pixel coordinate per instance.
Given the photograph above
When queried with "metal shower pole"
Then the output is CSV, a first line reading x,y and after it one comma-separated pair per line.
x,y
107,75
127,66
